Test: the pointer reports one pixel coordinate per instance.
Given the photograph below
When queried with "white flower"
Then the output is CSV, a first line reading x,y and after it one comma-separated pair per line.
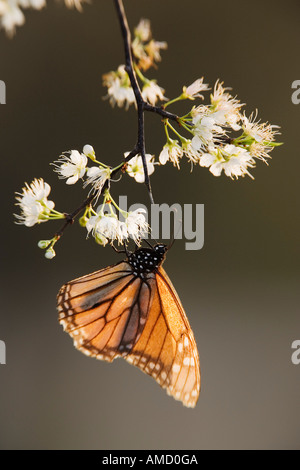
x,y
152,92
143,30
171,151
35,207
260,151
232,159
107,228
260,132
72,166
11,14
205,131
189,151
136,224
103,227
258,137
153,50
225,109
193,91
225,117
97,177
147,54
120,95
135,167
119,89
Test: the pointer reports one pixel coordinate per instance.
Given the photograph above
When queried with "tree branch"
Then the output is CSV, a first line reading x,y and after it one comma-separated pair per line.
x,y
70,217
161,111
142,106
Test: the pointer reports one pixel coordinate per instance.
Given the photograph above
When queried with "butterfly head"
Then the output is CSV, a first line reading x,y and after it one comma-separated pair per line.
x,y
160,249
147,260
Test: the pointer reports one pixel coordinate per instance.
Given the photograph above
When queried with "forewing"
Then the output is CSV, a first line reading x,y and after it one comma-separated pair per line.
x,y
105,312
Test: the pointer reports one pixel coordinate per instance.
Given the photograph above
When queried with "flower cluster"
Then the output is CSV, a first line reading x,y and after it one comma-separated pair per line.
x,y
221,137
146,50
105,224
11,11
34,204
72,166
146,53
107,227
119,91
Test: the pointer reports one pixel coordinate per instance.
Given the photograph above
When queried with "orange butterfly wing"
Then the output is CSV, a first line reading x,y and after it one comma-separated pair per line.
x,y
112,313
167,349
104,312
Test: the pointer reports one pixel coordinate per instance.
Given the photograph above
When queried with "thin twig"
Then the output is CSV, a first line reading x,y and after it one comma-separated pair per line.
x,y
161,111
141,103
70,217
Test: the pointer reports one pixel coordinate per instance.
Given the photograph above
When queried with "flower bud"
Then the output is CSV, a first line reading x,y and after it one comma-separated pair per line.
x,y
83,221
89,151
50,253
43,244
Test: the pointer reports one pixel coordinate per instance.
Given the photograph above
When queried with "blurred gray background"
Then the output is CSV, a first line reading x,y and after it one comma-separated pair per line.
x,y
240,292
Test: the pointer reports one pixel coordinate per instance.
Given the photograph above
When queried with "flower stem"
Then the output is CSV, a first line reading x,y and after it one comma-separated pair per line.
x,y
179,98
176,132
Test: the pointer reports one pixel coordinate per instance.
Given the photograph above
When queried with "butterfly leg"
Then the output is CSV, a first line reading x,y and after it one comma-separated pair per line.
x,y
119,251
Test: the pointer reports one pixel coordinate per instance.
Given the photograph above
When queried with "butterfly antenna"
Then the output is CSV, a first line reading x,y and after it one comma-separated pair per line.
x,y
148,243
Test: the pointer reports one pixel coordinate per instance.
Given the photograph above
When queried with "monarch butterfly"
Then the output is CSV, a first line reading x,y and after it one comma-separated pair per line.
x,y
132,310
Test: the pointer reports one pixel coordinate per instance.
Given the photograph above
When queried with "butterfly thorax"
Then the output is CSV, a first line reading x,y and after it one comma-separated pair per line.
x,y
147,260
